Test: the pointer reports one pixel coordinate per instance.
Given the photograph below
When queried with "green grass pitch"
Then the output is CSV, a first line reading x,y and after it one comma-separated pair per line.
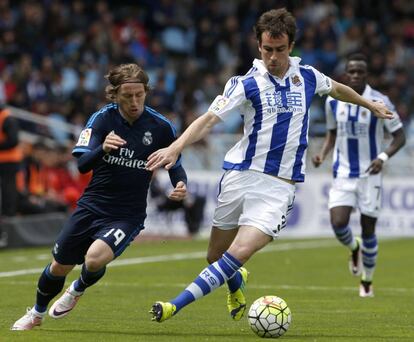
x,y
311,275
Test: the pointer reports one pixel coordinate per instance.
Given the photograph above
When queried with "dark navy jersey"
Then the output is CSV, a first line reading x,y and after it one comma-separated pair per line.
x,y
120,182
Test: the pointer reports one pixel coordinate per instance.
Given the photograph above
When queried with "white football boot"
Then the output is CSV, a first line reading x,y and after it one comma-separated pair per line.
x,y
30,320
366,290
64,304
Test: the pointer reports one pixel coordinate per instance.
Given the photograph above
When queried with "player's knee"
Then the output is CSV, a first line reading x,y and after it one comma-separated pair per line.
x,y
60,270
338,222
94,262
242,252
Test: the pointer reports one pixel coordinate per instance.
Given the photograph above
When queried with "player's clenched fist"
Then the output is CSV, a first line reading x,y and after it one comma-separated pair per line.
x,y
112,142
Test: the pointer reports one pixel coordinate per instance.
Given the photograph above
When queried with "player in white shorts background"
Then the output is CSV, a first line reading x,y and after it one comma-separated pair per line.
x,y
357,136
257,190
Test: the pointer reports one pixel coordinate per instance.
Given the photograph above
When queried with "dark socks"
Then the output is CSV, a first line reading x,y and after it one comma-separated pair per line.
x,y
88,278
48,287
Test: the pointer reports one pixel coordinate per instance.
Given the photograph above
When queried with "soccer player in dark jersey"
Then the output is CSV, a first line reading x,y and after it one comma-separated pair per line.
x,y
115,144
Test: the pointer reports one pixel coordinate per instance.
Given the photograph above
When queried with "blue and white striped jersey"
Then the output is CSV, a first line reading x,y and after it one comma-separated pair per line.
x,y
276,114
359,134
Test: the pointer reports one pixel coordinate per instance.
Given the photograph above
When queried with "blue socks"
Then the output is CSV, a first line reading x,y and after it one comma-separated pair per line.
x,y
369,256
210,279
345,236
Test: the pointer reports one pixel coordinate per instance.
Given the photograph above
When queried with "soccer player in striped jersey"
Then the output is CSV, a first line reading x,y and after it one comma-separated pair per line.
x,y
115,144
258,186
357,136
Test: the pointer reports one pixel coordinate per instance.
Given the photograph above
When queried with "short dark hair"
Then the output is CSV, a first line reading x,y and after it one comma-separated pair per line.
x,y
276,22
125,73
357,56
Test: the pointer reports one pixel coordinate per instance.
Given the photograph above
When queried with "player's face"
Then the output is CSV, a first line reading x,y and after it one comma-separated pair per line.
x,y
131,98
356,72
275,53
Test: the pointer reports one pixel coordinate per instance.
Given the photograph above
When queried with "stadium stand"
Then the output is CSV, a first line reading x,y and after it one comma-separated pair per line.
x,y
54,54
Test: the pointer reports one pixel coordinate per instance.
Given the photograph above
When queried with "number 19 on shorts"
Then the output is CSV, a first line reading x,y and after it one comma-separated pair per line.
x,y
118,235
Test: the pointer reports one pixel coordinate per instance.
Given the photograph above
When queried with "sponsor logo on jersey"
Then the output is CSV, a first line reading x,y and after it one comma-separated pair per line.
x,y
147,139
84,137
121,161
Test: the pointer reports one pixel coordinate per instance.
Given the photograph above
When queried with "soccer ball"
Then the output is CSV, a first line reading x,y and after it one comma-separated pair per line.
x,y
269,316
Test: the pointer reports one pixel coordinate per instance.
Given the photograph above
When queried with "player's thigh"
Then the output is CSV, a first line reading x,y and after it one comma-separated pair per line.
x,y
267,204
118,233
369,195
75,238
98,255
220,241
343,193
232,189
340,216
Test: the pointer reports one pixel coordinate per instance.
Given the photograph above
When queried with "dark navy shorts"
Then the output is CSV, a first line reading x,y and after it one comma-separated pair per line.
x,y
83,227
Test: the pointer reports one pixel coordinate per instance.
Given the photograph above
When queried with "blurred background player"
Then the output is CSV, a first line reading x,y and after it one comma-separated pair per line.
x,y
115,144
11,157
357,137
258,188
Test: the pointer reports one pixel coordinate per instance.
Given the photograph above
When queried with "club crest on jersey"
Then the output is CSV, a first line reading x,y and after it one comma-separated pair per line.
x,y
363,113
296,81
147,139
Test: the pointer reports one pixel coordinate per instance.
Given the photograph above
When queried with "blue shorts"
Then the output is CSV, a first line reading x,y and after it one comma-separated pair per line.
x,y
83,227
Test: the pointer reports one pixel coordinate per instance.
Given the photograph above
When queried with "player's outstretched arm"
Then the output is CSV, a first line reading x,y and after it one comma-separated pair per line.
x,y
196,131
344,93
327,146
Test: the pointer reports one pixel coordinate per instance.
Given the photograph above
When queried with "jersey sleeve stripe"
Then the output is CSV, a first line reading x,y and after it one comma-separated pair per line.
x,y
160,116
99,112
233,86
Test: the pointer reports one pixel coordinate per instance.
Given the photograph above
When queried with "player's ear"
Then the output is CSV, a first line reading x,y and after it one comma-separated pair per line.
x,y
291,46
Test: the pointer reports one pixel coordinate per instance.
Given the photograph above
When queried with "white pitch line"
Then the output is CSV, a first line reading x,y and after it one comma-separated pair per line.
x,y
187,256
317,288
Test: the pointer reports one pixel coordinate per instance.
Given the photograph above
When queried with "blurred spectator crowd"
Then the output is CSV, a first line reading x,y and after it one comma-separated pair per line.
x,y
54,53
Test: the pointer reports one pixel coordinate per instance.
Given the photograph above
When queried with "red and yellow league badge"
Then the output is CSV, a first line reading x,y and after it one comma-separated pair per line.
x,y
84,137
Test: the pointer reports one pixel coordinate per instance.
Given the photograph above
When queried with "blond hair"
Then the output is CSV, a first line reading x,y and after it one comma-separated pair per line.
x,y
124,73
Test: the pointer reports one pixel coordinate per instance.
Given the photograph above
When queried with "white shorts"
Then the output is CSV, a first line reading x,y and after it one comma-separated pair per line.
x,y
252,198
362,193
